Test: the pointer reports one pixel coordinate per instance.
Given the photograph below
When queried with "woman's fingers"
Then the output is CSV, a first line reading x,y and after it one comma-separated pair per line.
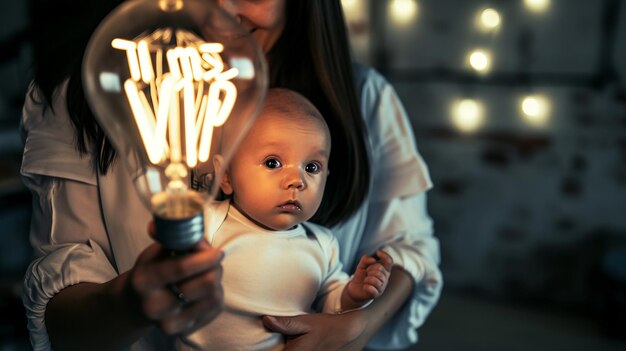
x,y
286,325
206,311
320,331
202,285
157,273
179,293
160,304
175,317
193,316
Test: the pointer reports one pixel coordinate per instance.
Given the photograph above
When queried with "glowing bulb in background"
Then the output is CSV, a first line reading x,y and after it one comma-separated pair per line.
x,y
468,115
537,5
535,109
174,83
349,5
489,19
480,60
403,11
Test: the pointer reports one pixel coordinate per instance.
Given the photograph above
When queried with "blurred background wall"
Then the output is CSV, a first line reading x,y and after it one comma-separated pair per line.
x,y
519,108
14,198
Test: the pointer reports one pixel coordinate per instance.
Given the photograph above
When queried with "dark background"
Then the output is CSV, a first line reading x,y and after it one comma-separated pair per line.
x,y
531,217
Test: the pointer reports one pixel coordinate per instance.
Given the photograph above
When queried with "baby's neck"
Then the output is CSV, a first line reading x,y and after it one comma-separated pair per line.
x,y
260,224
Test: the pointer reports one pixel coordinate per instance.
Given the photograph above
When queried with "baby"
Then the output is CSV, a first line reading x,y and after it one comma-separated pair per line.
x,y
275,262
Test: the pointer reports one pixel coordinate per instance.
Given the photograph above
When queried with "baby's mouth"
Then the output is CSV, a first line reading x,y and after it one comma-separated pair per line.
x,y
291,206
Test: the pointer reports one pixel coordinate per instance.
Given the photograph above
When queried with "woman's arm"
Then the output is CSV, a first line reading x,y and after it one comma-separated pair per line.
x,y
115,314
73,294
94,316
321,331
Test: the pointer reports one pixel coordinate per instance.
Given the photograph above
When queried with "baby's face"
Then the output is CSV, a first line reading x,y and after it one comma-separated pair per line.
x,y
278,173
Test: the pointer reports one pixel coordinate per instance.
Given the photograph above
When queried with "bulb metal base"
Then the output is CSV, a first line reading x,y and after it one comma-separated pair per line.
x,y
179,234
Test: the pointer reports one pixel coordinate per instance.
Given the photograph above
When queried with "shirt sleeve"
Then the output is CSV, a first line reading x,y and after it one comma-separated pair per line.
x,y
397,167
49,142
397,218
333,279
70,245
405,232
67,232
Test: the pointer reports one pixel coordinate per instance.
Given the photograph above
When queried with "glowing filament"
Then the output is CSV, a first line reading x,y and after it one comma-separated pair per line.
x,y
131,56
195,90
145,62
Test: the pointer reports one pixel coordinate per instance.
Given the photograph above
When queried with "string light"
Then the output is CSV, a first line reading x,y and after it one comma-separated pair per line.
x,y
537,5
467,115
403,11
349,5
535,109
480,60
489,19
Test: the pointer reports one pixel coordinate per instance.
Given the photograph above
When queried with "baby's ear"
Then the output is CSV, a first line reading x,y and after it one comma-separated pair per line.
x,y
221,170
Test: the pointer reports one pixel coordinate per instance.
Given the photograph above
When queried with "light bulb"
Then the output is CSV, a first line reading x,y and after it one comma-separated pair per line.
x,y
480,60
535,109
537,5
403,11
468,115
173,84
489,19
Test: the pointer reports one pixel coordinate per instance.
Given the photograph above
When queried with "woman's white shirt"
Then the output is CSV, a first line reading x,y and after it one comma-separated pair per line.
x,y
89,227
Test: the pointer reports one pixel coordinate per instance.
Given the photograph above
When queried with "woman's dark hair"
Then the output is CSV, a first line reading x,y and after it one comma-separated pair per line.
x,y
59,38
312,57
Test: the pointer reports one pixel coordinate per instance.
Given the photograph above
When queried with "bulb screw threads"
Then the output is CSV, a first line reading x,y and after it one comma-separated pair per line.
x,y
179,234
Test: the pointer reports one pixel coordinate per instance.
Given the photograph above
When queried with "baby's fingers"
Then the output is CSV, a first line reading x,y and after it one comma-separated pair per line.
x,y
385,259
378,271
373,287
366,261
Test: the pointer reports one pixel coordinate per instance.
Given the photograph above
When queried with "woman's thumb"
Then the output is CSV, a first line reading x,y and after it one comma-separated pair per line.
x,y
285,325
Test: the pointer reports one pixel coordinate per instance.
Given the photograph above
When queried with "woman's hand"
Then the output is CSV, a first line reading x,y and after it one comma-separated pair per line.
x,y
115,314
348,331
321,331
177,293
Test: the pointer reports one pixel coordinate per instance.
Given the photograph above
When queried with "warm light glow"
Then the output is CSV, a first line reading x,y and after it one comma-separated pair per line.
x,y
174,130
467,115
489,19
535,109
195,81
145,62
349,5
131,56
403,11
144,123
170,5
480,60
537,5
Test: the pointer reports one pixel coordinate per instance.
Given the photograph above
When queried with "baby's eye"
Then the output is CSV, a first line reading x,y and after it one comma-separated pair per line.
x,y
313,167
272,163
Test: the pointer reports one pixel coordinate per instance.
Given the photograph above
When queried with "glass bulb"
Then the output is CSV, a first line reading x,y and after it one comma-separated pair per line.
x,y
174,84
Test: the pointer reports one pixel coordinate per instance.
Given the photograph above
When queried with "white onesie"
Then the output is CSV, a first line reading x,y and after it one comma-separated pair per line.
x,y
278,273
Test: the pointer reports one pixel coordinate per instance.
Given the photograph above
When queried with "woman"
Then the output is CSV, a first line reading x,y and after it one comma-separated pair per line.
x,y
98,283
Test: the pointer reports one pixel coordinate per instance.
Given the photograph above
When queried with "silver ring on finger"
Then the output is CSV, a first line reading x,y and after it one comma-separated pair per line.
x,y
178,294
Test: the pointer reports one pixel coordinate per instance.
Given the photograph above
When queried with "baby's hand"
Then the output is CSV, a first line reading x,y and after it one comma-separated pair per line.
x,y
371,277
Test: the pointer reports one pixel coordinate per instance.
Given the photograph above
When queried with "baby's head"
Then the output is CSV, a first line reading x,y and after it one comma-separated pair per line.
x,y
277,176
